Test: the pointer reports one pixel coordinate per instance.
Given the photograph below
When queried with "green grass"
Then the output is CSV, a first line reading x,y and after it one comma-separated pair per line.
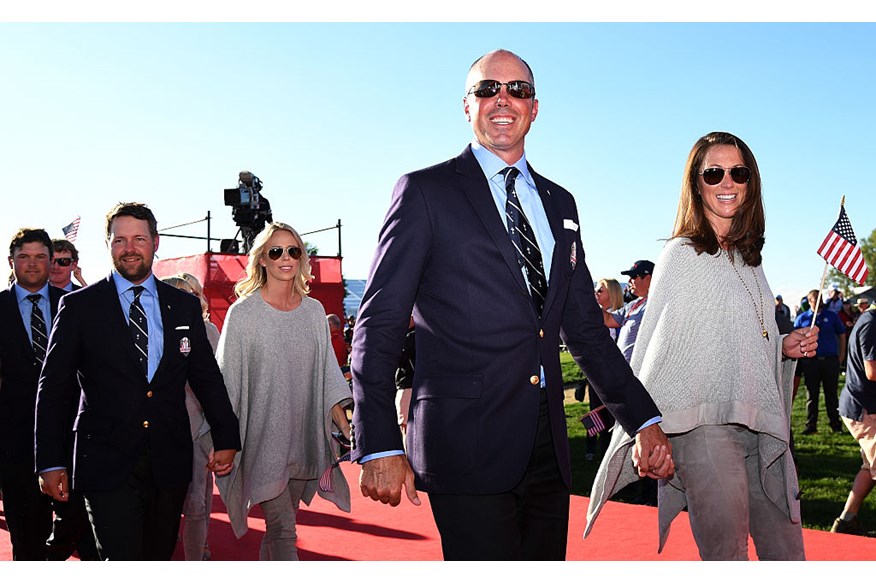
x,y
827,461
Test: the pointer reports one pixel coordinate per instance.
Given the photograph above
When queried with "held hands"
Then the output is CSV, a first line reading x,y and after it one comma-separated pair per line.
x,y
800,343
652,454
221,462
54,483
382,480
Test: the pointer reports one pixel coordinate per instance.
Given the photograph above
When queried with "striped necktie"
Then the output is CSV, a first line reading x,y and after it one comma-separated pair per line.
x,y
523,238
38,330
139,328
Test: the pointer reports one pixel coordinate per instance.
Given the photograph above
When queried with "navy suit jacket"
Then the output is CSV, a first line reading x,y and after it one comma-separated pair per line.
x,y
92,359
19,374
445,256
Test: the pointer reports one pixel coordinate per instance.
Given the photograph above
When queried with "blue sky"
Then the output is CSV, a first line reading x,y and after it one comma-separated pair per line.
x,y
330,115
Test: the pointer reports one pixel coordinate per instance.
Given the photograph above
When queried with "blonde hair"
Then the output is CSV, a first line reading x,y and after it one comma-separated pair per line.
x,y
178,283
198,291
256,275
615,292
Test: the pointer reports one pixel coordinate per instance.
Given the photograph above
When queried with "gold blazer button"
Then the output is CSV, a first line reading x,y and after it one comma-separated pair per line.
x,y
534,380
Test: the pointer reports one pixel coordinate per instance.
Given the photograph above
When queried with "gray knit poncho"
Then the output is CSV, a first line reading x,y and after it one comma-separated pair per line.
x,y
283,379
701,355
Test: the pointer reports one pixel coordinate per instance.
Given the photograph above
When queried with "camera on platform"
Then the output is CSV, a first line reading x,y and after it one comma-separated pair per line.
x,y
249,209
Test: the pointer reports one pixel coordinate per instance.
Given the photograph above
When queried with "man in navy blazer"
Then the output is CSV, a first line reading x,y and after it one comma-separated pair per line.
x,y
28,512
486,432
133,447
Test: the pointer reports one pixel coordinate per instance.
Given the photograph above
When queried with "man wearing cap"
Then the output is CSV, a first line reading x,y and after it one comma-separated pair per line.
x,y
863,303
628,317
782,308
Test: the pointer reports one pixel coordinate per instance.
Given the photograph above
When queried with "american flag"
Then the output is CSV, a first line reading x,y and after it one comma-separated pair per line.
x,y
841,250
71,230
325,481
593,422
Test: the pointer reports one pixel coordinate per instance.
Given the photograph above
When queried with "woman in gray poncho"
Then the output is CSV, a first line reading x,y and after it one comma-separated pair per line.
x,y
710,354
287,390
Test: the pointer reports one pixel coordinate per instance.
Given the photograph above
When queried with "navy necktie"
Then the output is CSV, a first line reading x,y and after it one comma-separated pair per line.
x,y
139,328
523,238
38,330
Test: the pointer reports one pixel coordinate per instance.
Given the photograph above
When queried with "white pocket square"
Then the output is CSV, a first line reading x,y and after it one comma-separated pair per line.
x,y
569,224
183,328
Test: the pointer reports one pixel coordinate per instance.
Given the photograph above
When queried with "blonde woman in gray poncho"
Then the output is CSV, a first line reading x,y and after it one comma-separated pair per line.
x,y
287,390
710,354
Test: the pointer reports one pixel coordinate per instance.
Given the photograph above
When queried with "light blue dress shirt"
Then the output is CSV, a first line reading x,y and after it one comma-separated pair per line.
x,y
25,307
530,201
152,308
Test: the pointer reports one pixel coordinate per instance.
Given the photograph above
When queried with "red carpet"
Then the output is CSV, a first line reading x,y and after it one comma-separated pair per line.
x,y
378,532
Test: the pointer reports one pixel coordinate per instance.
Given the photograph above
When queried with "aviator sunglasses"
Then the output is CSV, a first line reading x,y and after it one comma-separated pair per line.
x,y
491,87
276,253
714,175
63,262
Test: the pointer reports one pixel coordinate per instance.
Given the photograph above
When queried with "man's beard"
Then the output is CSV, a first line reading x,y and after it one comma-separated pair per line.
x,y
133,273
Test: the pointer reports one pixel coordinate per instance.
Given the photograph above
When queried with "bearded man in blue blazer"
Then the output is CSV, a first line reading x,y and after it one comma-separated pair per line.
x,y
123,349
486,254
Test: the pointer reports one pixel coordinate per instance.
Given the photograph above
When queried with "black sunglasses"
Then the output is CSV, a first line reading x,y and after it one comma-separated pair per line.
x,y
491,87
63,262
276,253
714,175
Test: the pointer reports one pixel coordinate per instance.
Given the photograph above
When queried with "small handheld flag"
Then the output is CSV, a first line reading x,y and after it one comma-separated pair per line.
x,y
593,422
841,249
71,230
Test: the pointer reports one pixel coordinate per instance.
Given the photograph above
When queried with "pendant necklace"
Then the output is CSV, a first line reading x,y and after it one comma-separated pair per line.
x,y
759,313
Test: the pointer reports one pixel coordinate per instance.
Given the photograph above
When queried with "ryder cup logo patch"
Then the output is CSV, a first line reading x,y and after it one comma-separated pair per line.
x,y
185,346
573,257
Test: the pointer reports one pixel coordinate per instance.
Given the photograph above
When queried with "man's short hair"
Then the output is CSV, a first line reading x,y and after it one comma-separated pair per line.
x,y
64,245
30,235
334,322
135,210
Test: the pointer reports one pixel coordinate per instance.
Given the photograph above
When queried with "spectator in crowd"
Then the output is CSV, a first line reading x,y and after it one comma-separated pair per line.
x,y
287,390
862,304
336,330
782,308
65,266
712,358
857,406
823,368
628,318
199,497
834,302
609,296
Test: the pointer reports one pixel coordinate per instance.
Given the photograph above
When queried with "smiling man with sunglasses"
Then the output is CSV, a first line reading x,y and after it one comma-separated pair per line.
x,y
65,265
486,254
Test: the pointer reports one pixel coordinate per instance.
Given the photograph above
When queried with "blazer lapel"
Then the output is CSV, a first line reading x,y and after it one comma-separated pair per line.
x,y
477,190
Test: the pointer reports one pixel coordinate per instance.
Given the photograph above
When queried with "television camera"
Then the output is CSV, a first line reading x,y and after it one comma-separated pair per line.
x,y
249,209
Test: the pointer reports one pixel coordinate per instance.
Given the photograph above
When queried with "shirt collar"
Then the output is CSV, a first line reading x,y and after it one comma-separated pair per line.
x,y
492,165
123,285
21,293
